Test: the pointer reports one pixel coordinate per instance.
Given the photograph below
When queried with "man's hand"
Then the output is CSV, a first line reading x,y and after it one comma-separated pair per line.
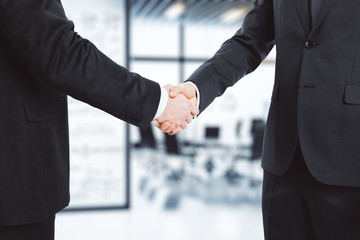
x,y
178,113
183,89
186,89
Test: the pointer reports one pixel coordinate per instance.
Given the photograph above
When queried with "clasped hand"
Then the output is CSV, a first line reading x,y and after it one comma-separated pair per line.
x,y
180,109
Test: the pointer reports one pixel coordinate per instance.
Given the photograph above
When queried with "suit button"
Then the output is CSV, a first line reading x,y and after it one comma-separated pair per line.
x,y
309,44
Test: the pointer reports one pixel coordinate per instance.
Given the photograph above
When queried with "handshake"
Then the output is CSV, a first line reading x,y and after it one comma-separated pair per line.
x,y
180,109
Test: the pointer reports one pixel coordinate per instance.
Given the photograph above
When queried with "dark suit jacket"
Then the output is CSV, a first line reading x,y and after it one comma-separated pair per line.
x,y
316,96
41,60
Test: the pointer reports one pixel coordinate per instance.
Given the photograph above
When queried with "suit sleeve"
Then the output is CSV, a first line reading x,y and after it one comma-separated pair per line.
x,y
239,55
43,36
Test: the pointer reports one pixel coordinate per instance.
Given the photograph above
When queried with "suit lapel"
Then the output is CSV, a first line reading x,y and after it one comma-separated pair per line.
x,y
324,11
304,15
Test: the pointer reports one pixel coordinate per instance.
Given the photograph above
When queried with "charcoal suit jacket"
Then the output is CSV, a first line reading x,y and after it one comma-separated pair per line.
x,y
316,94
42,60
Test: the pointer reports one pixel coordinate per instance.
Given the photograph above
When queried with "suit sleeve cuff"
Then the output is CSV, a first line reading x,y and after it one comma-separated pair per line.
x,y
163,102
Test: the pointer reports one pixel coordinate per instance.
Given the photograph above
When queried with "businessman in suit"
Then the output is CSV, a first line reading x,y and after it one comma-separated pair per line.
x,y
311,155
42,60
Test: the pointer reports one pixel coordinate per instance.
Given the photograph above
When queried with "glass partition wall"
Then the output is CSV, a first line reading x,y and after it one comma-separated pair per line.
x,y
98,141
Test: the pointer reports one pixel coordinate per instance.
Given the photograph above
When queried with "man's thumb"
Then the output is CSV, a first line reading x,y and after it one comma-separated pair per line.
x,y
174,91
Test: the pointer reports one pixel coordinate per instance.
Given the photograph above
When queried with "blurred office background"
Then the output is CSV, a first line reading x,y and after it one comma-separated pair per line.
x,y
134,184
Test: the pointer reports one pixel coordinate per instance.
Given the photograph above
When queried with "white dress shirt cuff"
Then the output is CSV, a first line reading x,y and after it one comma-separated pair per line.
x,y
164,96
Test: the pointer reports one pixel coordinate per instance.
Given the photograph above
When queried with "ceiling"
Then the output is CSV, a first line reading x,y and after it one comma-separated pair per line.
x,y
226,12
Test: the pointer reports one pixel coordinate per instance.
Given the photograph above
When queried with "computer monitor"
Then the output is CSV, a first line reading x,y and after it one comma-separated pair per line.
x,y
212,132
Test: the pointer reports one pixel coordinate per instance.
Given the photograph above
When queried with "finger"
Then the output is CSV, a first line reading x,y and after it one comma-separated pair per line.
x,y
194,111
173,92
178,130
170,127
189,118
165,127
175,131
179,89
167,130
157,125
183,125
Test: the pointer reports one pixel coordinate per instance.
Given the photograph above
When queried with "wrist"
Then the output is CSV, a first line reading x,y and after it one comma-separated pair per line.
x,y
197,93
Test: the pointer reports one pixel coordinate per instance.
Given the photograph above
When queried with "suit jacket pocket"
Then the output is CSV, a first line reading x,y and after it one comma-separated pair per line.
x,y
40,111
352,93
275,92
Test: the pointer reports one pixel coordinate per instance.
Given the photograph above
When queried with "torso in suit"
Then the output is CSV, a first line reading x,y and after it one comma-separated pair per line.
x,y
316,95
42,59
